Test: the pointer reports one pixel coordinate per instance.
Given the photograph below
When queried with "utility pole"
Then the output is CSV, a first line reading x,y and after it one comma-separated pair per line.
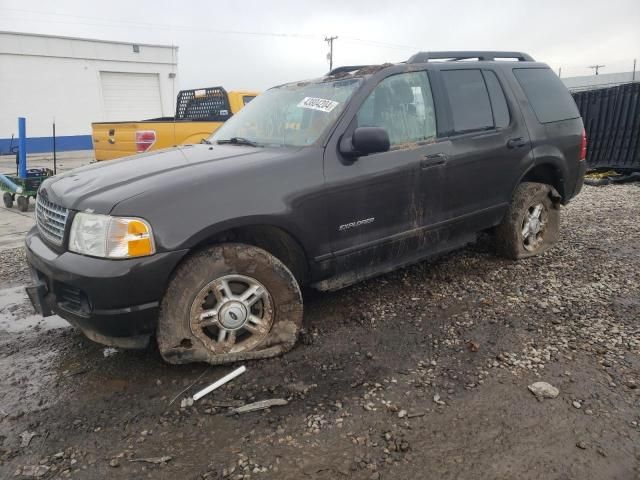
x,y
596,67
633,78
330,40
560,72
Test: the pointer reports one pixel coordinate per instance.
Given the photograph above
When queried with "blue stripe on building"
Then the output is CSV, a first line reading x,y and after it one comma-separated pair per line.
x,y
65,143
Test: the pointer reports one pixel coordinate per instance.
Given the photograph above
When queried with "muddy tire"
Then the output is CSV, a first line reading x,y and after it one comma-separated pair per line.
x,y
531,224
228,303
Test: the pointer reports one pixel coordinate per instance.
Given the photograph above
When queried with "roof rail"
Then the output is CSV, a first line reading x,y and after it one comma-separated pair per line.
x,y
483,56
346,69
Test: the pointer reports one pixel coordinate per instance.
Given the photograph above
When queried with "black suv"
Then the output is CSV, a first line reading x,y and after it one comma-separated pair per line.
x,y
322,182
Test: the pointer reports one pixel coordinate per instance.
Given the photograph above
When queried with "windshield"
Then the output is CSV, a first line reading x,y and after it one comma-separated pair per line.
x,y
291,115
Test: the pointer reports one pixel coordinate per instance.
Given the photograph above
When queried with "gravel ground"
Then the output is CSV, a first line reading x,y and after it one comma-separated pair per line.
x,y
422,373
13,270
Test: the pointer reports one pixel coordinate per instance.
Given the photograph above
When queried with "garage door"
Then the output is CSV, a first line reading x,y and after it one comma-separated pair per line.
x,y
130,96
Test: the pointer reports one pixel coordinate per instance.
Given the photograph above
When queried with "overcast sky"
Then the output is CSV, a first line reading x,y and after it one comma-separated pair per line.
x,y
247,44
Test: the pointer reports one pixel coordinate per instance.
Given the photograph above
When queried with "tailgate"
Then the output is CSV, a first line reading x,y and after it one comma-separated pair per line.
x,y
114,140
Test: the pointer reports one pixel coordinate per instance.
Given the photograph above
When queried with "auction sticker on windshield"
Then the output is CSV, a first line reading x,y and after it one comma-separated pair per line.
x,y
321,104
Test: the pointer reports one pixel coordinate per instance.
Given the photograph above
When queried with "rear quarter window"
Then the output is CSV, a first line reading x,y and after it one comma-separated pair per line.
x,y
469,100
549,98
498,101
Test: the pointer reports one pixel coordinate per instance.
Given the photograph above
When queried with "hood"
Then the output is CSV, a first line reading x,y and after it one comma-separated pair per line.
x,y
101,186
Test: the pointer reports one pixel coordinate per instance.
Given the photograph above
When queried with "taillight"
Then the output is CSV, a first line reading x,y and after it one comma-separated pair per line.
x,y
583,145
144,140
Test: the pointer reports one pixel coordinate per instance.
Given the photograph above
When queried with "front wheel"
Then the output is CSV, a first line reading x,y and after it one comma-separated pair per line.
x,y
228,303
531,224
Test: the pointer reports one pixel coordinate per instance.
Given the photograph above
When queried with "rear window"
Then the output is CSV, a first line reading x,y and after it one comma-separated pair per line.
x,y
469,100
549,98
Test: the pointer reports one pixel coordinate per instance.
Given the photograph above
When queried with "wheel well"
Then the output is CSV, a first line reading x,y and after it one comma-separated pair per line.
x,y
274,240
547,174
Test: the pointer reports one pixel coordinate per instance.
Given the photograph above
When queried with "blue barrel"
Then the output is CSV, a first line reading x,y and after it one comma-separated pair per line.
x,y
22,147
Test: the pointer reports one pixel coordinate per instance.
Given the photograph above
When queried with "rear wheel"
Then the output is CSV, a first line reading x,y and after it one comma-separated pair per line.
x,y
7,198
23,203
531,224
228,303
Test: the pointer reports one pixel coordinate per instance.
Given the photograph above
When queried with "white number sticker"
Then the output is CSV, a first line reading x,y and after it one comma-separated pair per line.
x,y
320,104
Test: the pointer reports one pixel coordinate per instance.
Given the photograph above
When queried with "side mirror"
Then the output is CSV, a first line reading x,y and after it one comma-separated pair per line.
x,y
364,141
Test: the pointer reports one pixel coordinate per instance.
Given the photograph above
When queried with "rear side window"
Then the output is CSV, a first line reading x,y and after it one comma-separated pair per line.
x,y
469,100
498,101
549,98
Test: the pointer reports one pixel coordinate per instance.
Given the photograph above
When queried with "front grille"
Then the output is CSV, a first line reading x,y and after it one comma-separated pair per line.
x,y
51,220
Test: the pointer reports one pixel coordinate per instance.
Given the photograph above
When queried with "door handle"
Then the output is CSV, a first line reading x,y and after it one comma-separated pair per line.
x,y
433,160
516,142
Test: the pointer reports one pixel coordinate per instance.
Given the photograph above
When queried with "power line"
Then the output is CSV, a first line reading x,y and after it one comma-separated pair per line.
x,y
125,24
120,24
381,44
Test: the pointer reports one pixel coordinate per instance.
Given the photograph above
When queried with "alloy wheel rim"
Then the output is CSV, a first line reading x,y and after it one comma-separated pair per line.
x,y
231,314
534,226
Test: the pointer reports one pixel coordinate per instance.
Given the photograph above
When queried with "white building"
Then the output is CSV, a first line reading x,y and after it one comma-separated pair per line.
x,y
78,81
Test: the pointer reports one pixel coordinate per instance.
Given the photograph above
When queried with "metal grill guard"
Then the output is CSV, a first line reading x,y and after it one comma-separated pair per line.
x,y
51,220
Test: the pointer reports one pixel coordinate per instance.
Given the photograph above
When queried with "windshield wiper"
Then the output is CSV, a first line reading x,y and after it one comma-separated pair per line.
x,y
238,141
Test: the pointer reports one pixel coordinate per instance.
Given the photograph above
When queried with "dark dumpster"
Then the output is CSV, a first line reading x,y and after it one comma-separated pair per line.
x,y
612,120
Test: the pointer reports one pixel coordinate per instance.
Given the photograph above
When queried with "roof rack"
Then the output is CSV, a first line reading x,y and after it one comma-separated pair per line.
x,y
346,69
482,56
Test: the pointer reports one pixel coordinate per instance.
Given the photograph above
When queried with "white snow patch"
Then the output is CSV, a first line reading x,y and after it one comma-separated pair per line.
x,y
17,314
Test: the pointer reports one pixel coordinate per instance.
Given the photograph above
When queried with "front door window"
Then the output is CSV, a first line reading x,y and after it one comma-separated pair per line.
x,y
402,105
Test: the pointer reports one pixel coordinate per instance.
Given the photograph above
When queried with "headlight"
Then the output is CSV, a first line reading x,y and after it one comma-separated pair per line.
x,y
110,237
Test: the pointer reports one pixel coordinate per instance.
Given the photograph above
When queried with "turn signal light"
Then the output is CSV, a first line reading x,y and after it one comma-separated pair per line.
x,y
138,239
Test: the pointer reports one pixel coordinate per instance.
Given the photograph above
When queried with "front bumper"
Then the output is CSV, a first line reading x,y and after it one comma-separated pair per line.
x,y
114,302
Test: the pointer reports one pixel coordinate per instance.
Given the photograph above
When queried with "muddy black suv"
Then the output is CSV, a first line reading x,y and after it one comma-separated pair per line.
x,y
321,182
